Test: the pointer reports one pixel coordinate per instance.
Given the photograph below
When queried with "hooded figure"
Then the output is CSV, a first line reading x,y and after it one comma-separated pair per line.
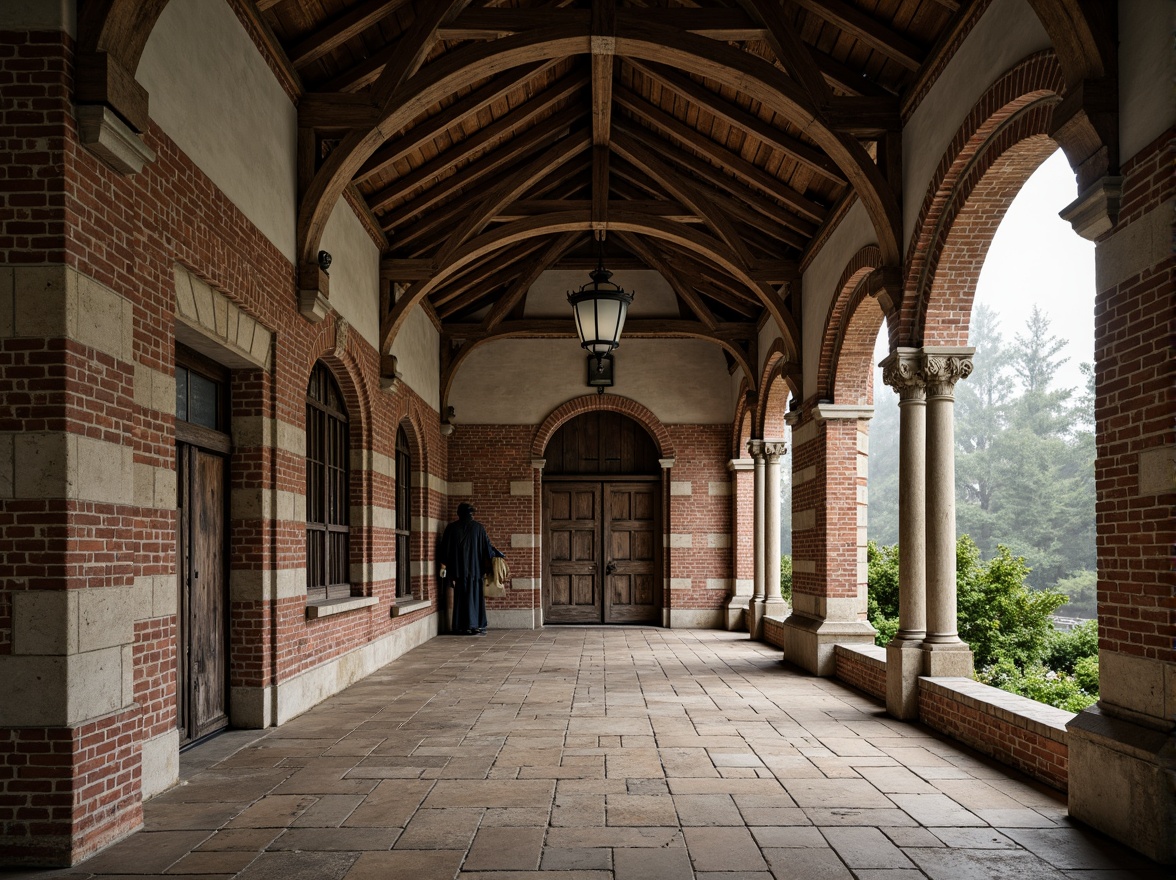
x,y
465,557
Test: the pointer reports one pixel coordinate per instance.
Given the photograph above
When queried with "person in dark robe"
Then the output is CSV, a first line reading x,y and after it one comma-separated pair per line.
x,y
465,557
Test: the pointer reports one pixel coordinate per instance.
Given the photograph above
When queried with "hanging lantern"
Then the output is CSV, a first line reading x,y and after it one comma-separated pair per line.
x,y
600,308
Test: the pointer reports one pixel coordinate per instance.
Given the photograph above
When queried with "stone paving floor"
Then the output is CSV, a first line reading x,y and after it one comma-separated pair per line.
x,y
593,753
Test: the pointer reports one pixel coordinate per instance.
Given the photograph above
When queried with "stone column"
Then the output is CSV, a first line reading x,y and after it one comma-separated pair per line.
x,y
755,611
946,655
742,542
774,604
668,554
903,372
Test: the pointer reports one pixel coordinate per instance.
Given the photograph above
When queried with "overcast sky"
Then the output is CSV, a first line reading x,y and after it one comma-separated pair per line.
x,y
1037,258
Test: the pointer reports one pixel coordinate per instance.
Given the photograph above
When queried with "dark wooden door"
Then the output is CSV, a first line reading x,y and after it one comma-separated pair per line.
x,y
203,649
571,547
600,552
630,563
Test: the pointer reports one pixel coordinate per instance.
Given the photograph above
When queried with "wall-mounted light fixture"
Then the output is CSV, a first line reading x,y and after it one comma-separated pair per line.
x,y
324,261
600,372
448,423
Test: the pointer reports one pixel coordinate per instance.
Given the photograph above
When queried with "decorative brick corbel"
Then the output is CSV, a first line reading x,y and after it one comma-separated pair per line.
x,y
390,377
112,113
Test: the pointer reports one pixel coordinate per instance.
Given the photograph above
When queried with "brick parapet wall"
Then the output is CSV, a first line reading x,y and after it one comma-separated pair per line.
x,y
862,667
1012,729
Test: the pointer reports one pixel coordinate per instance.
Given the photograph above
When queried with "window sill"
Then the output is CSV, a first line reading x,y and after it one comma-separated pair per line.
x,y
407,607
315,610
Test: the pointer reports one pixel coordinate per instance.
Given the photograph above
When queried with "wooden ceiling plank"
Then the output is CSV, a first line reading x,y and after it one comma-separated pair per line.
x,y
656,261
534,137
433,127
338,30
511,188
414,47
746,172
655,208
518,289
493,264
728,25
738,207
844,77
719,107
867,29
631,149
789,49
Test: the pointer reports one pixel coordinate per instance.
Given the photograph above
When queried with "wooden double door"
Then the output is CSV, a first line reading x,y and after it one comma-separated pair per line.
x,y
601,554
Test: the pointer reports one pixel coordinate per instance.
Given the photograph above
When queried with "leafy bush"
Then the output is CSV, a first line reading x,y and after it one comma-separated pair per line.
x,y
1040,684
786,577
1086,674
999,617
1066,649
882,591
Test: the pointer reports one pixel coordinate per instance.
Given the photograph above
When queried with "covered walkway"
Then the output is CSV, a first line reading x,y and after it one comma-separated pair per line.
x,y
578,753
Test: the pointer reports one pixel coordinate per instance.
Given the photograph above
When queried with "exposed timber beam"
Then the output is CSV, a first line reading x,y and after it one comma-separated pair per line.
x,y
518,289
717,106
466,106
849,18
600,190
789,50
603,43
338,30
747,173
533,138
728,25
652,207
653,256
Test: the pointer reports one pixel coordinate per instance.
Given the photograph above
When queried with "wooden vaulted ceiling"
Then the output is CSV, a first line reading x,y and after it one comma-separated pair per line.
x,y
608,145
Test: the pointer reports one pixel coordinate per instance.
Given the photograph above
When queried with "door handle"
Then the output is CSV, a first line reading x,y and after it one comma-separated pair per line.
x,y
610,568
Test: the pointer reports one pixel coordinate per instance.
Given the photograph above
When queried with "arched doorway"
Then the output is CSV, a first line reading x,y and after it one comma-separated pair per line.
x,y
602,522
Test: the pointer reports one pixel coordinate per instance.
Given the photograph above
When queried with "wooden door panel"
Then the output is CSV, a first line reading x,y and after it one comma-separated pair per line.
x,y
207,599
571,514
631,530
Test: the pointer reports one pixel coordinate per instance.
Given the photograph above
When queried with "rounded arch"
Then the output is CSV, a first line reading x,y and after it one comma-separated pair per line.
x,y
776,384
338,347
1002,140
418,499
592,402
845,372
742,426
580,221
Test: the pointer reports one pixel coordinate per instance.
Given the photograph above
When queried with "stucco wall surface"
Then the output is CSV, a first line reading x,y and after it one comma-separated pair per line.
x,y
212,93
854,232
38,15
355,272
1007,32
681,381
418,357
1147,101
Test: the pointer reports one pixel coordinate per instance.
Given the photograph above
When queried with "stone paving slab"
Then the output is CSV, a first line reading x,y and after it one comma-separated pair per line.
x,y
595,753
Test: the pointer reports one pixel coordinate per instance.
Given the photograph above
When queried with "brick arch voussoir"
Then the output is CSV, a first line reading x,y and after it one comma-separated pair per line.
x,y
770,400
744,412
1019,104
839,322
343,358
597,402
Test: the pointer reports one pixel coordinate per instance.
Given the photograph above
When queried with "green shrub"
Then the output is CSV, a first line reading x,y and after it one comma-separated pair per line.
x,y
1065,649
1086,674
1038,683
786,577
882,591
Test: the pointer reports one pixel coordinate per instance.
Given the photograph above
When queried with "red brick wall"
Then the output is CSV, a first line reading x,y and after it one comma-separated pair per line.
x,y
1008,739
857,670
1135,398
60,206
701,458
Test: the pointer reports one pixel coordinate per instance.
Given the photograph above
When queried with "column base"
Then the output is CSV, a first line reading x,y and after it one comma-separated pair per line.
x,y
809,641
776,608
754,618
1121,781
951,660
904,665
735,613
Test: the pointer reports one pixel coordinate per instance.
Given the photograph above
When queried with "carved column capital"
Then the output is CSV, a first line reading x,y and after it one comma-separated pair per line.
x,y
756,449
902,370
943,367
773,449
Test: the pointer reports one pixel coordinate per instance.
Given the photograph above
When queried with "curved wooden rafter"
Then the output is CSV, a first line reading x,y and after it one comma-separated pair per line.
x,y
729,66
570,221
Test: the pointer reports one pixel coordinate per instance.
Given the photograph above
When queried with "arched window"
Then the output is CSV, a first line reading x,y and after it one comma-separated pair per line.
x,y
403,516
328,509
